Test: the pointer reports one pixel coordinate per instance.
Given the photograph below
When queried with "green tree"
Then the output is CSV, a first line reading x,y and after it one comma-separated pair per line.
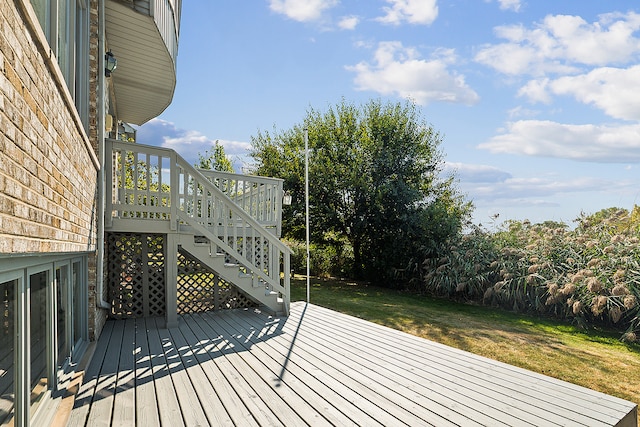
x,y
214,159
375,181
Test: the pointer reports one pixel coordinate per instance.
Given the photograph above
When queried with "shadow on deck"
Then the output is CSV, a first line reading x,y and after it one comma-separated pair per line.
x,y
316,367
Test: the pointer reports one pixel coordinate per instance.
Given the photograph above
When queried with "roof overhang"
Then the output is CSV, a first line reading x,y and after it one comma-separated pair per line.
x,y
145,78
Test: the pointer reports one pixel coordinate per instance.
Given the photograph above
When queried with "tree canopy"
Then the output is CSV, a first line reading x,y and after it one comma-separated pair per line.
x,y
215,159
376,182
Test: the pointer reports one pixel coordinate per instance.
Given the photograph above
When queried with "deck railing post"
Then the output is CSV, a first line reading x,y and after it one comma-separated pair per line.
x,y
175,184
171,280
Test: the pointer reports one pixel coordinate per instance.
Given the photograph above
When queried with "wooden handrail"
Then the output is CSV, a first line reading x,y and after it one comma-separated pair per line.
x,y
156,183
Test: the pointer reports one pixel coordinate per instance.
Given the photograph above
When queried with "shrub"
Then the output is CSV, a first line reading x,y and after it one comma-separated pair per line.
x,y
326,260
590,275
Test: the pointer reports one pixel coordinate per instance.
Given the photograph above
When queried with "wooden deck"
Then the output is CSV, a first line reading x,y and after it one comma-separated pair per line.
x,y
316,367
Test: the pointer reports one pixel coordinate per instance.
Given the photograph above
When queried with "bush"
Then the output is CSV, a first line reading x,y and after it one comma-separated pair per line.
x,y
326,260
590,275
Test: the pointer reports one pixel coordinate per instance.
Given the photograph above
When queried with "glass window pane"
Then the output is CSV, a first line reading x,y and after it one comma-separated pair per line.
x,y
7,345
42,10
38,307
62,293
77,301
63,38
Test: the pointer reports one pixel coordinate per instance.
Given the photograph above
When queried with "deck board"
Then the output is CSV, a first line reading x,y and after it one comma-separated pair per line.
x,y
86,393
338,403
498,380
146,398
446,383
125,392
190,406
169,411
316,367
224,355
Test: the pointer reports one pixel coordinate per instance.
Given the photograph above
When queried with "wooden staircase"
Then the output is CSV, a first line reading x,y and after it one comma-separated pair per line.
x,y
230,223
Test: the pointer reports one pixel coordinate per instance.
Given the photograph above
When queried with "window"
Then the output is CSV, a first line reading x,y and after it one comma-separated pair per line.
x,y
66,26
40,315
43,323
8,315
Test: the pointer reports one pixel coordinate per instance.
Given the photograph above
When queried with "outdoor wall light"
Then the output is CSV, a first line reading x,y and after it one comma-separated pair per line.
x,y
110,63
286,199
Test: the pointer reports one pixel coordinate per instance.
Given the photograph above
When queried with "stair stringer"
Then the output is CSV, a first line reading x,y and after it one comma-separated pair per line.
x,y
231,273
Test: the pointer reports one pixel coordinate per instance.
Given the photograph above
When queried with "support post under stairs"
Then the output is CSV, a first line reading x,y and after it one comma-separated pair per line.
x,y
171,280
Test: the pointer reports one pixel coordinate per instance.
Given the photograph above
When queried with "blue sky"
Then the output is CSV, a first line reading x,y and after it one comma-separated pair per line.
x,y
538,101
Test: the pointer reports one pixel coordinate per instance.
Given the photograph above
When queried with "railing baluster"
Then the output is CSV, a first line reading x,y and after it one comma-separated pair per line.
x,y
210,204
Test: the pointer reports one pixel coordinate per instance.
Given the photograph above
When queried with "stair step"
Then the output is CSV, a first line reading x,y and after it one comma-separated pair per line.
x,y
230,265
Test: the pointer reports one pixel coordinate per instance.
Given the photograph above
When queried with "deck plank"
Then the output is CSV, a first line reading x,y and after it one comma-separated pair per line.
x,y
102,404
168,406
368,381
220,353
525,392
316,367
300,389
125,390
286,404
336,400
458,400
189,346
147,411
84,397
190,406
229,398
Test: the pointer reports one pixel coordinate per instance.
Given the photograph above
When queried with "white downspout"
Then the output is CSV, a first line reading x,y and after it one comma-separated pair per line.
x,y
100,302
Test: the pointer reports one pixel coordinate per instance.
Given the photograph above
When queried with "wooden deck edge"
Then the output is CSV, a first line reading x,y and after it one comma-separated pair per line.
x,y
71,388
630,420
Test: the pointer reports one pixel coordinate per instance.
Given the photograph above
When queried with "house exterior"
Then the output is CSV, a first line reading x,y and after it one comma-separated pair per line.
x,y
57,109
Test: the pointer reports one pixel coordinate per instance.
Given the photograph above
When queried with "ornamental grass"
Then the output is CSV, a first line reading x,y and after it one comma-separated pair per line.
x,y
590,274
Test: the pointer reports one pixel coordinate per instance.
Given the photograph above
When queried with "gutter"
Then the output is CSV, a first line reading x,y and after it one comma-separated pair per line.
x,y
100,302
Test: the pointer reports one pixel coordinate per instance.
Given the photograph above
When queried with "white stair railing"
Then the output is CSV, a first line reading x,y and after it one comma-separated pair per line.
x,y
260,197
145,182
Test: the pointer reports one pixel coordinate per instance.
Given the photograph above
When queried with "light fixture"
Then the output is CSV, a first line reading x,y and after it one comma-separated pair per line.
x,y
110,63
286,199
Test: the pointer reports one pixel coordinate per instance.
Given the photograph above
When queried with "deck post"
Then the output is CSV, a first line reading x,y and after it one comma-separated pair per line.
x,y
174,180
171,280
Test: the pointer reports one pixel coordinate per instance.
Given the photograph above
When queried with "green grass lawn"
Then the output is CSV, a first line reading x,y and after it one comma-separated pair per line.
x,y
593,359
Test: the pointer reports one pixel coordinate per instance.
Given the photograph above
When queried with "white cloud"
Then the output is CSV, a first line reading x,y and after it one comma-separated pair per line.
x,y
589,143
187,143
563,44
520,111
348,22
400,71
514,5
412,11
536,91
302,10
613,90
532,189
477,173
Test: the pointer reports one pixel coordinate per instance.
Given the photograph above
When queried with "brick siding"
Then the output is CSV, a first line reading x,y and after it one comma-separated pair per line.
x,y
48,175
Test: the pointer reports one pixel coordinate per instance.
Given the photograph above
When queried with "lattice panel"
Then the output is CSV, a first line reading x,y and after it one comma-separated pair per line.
x,y
230,297
135,274
196,286
200,289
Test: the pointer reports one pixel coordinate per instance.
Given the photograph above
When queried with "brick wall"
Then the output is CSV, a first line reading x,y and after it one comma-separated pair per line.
x,y
48,172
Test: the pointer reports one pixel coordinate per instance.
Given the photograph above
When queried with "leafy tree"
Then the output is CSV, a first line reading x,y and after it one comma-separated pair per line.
x,y
375,181
214,159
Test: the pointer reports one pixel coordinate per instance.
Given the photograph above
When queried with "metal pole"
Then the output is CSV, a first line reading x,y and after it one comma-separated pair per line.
x,y
306,191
